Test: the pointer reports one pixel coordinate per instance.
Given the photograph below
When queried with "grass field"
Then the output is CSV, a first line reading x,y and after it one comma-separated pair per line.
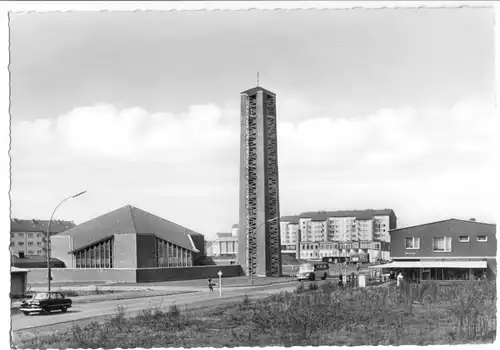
x,y
315,314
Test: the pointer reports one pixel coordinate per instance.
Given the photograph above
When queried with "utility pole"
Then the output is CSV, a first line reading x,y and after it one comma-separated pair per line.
x,y
49,276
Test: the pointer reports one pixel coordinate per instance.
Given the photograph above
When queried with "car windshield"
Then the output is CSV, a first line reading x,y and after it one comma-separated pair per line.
x,y
306,268
40,296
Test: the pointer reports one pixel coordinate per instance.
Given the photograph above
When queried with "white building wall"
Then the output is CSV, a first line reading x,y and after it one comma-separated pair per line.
x,y
365,230
305,229
381,229
30,243
234,231
284,232
293,229
318,231
59,248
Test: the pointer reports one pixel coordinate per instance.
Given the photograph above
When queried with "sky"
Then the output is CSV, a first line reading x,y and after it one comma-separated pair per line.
x,y
376,109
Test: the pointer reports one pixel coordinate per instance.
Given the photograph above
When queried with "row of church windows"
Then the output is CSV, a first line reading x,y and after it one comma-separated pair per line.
x,y
99,255
171,255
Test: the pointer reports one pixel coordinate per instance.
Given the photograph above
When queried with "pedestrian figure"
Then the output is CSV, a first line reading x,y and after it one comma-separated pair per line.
x,y
357,267
210,284
340,284
400,279
392,275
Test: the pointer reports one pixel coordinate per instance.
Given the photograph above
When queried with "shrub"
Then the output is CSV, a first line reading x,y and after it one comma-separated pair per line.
x,y
300,288
174,310
362,316
313,286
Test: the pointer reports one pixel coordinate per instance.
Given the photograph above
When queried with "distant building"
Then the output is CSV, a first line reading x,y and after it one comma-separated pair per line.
x,y
235,230
225,245
29,236
289,226
348,235
444,250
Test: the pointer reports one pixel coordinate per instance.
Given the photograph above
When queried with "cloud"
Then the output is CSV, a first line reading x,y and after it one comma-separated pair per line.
x,y
405,158
129,134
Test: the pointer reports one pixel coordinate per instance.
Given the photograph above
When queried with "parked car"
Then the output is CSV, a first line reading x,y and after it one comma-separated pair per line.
x,y
311,271
46,302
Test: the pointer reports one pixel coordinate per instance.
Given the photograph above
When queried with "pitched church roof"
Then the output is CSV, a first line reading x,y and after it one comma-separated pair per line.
x,y
129,219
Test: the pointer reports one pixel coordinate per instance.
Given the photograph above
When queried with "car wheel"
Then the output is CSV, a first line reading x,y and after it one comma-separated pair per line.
x,y
64,309
26,313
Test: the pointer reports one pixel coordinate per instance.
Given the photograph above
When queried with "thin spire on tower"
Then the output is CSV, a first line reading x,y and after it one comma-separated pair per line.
x,y
257,78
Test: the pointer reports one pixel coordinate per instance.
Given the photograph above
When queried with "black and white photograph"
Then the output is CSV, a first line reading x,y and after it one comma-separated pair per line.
x,y
249,174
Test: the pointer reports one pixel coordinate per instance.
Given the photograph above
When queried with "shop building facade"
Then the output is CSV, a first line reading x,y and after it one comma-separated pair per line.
x,y
448,250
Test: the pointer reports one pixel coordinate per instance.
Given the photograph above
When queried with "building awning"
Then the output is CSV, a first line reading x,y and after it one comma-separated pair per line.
x,y
16,269
455,264
397,265
432,264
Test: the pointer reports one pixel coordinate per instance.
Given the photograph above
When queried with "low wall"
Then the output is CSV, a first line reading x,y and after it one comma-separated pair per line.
x,y
61,275
187,273
36,276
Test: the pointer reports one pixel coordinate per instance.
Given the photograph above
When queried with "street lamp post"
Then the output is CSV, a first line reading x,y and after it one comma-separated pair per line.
x,y
251,255
48,236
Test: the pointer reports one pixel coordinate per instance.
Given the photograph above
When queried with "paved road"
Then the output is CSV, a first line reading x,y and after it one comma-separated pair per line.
x,y
107,308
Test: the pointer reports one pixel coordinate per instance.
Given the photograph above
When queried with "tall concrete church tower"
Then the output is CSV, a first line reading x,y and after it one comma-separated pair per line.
x,y
259,250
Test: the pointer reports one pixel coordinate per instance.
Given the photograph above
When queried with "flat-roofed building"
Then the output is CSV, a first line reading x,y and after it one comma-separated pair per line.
x,y
448,250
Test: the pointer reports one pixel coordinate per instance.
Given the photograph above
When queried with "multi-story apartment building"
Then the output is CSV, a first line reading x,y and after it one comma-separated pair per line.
x,y
289,226
445,250
29,236
339,235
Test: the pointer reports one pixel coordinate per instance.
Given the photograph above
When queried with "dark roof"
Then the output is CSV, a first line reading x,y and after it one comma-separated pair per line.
x,y
35,261
463,223
129,219
235,226
224,234
254,90
292,219
361,214
56,226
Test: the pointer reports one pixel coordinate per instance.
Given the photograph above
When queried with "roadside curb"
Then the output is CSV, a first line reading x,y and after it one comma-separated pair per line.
x,y
130,297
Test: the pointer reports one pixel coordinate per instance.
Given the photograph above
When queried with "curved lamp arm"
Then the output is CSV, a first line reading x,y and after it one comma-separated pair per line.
x,y
48,235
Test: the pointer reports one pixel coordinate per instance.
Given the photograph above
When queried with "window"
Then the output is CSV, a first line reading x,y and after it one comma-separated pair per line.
x,y
38,235
98,256
30,244
30,235
463,239
482,238
20,243
30,252
442,244
412,242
